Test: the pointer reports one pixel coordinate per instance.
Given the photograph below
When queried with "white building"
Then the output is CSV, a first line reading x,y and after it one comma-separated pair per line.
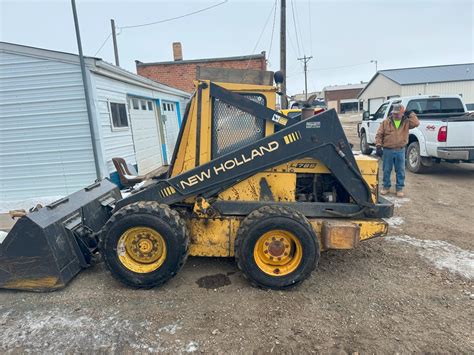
x,y
45,133
435,80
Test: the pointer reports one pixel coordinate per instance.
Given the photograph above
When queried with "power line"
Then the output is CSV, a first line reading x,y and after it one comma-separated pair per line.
x,y
175,18
103,44
261,33
310,28
298,26
296,31
273,29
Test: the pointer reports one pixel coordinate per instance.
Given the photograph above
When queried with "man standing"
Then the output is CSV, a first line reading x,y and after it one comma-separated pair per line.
x,y
392,136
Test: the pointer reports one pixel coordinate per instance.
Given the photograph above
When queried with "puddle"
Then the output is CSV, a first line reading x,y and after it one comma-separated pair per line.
x,y
441,254
213,281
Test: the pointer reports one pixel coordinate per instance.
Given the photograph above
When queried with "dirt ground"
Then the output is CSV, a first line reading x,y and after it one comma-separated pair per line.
x,y
410,292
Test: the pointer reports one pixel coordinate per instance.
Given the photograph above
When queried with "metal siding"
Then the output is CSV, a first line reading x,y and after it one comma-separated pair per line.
x,y
434,74
45,144
380,87
466,88
120,143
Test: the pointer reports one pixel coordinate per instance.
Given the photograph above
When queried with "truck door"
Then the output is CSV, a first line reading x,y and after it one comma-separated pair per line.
x,y
375,122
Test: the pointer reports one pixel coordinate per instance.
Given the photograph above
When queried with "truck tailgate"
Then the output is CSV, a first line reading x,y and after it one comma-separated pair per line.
x,y
460,131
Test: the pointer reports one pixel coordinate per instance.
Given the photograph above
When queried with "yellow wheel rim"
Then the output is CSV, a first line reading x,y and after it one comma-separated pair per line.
x,y
278,252
141,249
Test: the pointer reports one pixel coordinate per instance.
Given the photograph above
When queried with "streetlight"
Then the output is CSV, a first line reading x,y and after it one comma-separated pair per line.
x,y
374,61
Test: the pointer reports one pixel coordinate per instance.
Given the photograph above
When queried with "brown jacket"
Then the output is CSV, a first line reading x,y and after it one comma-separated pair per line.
x,y
388,136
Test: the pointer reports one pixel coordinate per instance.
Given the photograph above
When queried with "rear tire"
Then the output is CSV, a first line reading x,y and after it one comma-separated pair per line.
x,y
413,159
364,146
280,234
144,244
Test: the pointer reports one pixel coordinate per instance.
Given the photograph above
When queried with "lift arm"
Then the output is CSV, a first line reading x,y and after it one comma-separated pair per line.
x,y
320,137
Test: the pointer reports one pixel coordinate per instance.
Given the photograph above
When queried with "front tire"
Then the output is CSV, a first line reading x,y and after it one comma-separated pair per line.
x,y
144,244
276,248
364,146
413,159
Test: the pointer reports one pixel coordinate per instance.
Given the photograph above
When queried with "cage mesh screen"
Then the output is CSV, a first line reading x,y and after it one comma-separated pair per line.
x,y
233,128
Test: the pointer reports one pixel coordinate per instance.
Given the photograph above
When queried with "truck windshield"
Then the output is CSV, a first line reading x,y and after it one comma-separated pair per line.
x,y
436,105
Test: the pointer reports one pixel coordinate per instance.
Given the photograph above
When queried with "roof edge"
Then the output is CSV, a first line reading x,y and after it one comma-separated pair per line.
x,y
204,60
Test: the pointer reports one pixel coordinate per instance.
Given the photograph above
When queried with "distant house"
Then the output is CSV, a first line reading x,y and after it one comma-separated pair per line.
x,y
343,98
45,135
181,73
433,80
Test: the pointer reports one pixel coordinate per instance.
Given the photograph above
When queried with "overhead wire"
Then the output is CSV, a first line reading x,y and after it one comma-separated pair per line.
x,y
273,29
261,33
176,17
298,27
160,21
310,28
103,44
296,31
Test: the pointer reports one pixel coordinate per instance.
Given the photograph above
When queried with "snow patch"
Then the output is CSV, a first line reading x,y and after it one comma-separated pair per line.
x,y
63,331
441,254
394,221
191,347
3,235
170,329
397,201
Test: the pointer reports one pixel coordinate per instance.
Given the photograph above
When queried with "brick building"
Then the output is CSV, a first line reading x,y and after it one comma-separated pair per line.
x,y
180,73
343,98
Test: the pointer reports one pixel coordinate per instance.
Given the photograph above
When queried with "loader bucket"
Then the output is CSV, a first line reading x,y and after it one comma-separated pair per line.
x,y
46,248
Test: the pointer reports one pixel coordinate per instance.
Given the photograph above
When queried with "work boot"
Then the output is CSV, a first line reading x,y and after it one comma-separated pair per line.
x,y
400,194
384,191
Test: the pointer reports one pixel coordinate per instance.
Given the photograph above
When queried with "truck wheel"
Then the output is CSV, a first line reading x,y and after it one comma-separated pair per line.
x,y
413,159
364,146
144,244
276,248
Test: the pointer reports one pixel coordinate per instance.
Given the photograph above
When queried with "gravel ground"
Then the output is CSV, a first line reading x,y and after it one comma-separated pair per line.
x,y
410,292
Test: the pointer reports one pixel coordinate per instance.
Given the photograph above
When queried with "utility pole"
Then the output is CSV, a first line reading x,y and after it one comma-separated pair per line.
x,y
86,93
284,101
305,60
114,38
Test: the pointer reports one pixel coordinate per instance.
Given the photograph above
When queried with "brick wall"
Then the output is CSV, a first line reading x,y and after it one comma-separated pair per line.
x,y
180,74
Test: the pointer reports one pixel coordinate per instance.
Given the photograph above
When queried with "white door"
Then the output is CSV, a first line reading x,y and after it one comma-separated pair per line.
x,y
169,116
145,135
374,104
375,122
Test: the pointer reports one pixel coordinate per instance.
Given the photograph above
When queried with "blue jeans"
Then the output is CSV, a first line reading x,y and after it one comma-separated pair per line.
x,y
393,158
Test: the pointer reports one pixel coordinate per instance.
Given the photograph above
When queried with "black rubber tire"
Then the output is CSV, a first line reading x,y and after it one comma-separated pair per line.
x,y
364,146
416,167
148,214
263,220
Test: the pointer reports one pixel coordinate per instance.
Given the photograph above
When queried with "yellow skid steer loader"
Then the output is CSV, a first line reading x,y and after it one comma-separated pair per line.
x,y
245,181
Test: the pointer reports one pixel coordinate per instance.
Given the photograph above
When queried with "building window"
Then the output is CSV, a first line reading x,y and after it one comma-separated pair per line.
x,y
150,105
164,107
135,104
143,105
118,112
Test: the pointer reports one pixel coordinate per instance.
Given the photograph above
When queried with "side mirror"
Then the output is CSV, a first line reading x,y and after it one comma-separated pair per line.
x,y
365,115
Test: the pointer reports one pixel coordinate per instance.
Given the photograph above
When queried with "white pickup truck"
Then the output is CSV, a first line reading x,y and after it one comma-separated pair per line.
x,y
445,133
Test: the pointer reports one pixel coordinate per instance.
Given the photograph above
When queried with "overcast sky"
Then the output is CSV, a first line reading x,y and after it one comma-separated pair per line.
x,y
342,36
